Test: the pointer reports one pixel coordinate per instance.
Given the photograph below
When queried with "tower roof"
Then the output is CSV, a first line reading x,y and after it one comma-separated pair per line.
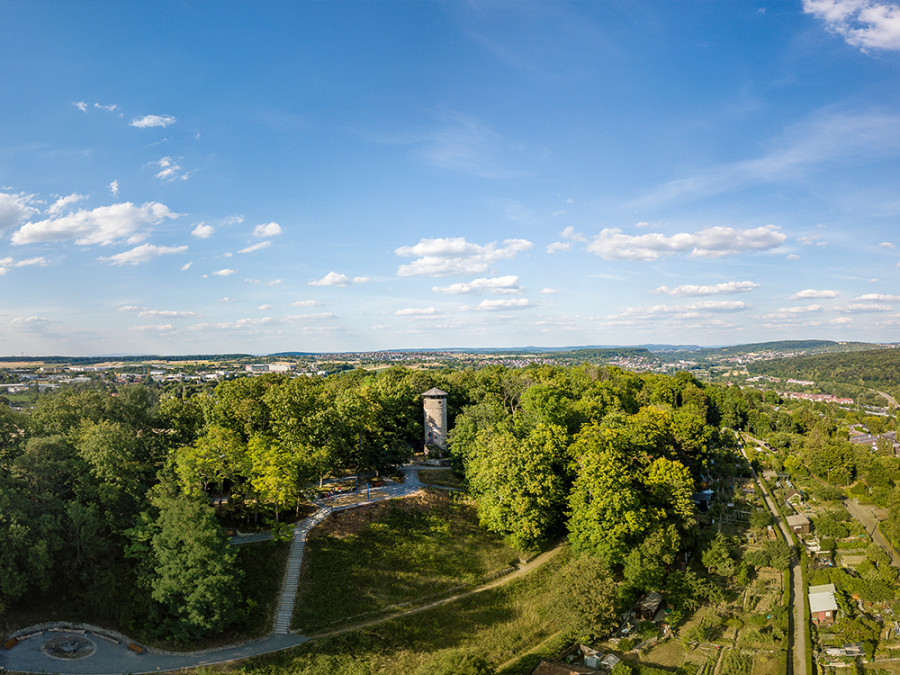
x,y
434,391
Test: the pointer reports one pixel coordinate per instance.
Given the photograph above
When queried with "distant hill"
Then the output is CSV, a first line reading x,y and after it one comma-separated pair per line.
x,y
873,368
775,347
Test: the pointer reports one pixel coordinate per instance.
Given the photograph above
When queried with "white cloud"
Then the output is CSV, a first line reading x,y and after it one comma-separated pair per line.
x,y
186,266
813,294
63,203
454,255
164,314
260,282
866,24
148,121
500,304
570,233
256,247
14,208
81,105
226,272
793,256
886,244
169,170
790,313
337,279
691,310
506,284
306,303
298,318
233,220
103,225
267,230
203,231
39,260
114,188
264,308
549,291
841,321
812,240
109,108
227,299
878,297
142,254
613,244
158,328
725,288
559,246
413,311
863,308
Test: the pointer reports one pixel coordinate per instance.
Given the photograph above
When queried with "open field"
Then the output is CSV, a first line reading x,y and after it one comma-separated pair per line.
x,y
367,560
503,624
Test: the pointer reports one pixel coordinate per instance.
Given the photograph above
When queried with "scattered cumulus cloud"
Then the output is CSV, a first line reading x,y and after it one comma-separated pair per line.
x,y
813,294
157,328
338,279
226,272
877,297
14,208
260,282
886,244
454,255
812,240
142,254
264,308
81,105
493,305
863,308
114,188
791,313
725,288
267,230
713,242
559,246
865,24
170,170
306,303
413,311
186,266
102,225
148,121
203,231
548,291
506,284
165,314
9,262
691,310
63,203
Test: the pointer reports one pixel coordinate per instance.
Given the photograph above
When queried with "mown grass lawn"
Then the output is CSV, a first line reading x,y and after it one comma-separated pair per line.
x,y
403,551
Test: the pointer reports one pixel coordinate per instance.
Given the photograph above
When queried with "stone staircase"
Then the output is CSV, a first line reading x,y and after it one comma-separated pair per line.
x,y
292,573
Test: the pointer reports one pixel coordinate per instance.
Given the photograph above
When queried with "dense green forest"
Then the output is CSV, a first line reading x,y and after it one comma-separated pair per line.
x,y
113,499
875,369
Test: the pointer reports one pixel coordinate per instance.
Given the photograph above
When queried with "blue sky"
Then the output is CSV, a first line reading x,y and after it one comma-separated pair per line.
x,y
199,177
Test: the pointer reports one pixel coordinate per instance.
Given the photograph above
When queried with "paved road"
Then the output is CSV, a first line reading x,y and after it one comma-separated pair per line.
x,y
800,632
111,658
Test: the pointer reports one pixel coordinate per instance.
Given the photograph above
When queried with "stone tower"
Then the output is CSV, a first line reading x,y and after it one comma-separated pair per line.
x,y
435,418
